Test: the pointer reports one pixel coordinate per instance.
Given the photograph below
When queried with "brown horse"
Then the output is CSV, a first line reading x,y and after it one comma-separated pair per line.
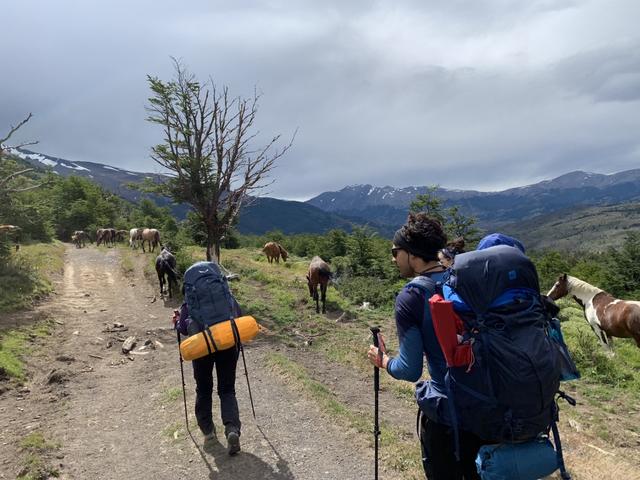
x,y
274,251
8,228
121,235
106,236
319,274
607,316
152,237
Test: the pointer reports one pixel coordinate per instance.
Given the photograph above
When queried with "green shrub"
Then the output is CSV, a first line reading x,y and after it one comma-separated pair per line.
x,y
379,292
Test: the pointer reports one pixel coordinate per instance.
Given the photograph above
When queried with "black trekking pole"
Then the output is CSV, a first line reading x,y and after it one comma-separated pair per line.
x,y
246,374
236,336
376,388
184,389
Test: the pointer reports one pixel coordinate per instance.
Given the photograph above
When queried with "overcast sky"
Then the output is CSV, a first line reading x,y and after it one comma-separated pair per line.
x,y
474,94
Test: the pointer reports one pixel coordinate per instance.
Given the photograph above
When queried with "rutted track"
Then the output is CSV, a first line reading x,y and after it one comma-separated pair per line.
x,y
114,416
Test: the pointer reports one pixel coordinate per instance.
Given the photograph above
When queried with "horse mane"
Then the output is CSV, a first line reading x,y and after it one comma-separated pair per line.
x,y
581,286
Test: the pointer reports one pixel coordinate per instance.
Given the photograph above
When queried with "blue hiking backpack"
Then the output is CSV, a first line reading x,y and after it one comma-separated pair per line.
x,y
206,292
508,393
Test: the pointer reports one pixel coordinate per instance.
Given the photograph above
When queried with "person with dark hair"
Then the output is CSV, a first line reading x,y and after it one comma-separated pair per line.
x,y
448,253
415,253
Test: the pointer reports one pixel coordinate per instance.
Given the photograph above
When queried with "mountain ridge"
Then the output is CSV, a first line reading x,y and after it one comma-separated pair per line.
x,y
382,208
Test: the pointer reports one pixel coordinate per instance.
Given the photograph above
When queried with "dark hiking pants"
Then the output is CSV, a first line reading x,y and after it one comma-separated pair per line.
x,y
438,452
225,363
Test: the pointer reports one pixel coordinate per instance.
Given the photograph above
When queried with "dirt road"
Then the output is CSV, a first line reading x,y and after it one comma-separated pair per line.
x,y
119,416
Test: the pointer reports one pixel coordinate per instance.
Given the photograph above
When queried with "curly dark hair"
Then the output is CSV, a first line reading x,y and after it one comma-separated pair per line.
x,y
425,233
456,245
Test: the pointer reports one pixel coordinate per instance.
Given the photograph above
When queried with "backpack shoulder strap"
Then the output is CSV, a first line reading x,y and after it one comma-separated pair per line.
x,y
424,283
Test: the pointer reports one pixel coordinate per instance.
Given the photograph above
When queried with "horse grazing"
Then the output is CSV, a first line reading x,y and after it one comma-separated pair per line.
x,y
79,238
8,228
121,235
106,236
607,316
319,274
274,251
166,265
135,237
152,236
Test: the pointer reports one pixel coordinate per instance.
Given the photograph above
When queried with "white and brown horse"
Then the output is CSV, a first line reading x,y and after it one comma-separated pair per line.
x,y
319,274
608,316
274,251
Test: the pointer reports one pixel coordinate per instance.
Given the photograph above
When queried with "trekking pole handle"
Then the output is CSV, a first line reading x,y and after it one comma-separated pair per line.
x,y
375,331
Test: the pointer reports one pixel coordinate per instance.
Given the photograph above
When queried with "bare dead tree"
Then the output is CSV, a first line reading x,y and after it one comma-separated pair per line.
x,y
13,130
5,182
208,137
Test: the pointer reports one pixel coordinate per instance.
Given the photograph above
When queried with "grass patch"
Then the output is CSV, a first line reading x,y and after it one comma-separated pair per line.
x,y
27,276
12,347
401,455
174,432
15,345
126,263
35,461
172,394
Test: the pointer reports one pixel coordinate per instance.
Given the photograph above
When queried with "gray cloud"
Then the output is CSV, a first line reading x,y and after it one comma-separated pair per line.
x,y
485,94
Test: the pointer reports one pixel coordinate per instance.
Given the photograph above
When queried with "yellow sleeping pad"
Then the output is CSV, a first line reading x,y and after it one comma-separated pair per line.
x,y
196,345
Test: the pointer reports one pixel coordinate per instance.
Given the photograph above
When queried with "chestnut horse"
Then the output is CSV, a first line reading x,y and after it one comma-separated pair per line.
x,y
274,251
319,274
607,316
152,237
106,236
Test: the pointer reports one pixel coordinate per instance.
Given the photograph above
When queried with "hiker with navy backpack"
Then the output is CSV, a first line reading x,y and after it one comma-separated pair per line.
x,y
208,301
415,253
494,357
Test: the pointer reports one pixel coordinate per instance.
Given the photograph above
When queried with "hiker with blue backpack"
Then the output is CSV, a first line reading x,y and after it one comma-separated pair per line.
x,y
415,253
208,301
495,357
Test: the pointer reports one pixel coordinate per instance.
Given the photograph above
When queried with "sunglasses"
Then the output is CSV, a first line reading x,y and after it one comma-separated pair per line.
x,y
394,251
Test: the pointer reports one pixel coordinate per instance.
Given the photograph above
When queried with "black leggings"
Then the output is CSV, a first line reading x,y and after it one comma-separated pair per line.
x,y
438,452
225,365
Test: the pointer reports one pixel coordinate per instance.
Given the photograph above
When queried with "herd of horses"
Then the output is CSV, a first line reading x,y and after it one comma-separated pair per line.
x,y
318,275
606,315
110,236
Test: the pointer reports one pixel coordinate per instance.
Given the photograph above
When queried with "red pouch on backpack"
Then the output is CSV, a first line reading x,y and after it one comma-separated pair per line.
x,y
448,325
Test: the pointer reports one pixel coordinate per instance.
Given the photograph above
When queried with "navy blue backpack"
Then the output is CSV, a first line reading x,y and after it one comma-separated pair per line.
x,y
508,393
206,292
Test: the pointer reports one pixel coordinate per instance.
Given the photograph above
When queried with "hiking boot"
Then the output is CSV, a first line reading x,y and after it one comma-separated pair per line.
x,y
233,439
210,435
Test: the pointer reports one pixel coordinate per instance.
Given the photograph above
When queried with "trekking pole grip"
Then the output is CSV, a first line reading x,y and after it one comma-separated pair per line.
x,y
375,331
